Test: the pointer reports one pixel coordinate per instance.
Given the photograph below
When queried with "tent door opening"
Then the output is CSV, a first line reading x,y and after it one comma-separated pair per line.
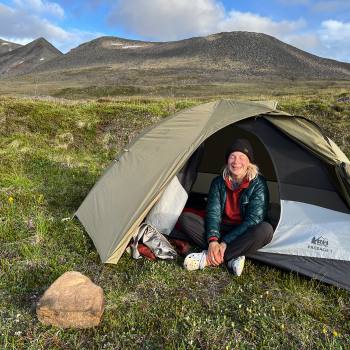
x,y
209,160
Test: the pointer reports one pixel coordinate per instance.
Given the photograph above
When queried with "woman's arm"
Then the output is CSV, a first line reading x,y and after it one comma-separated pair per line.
x,y
214,211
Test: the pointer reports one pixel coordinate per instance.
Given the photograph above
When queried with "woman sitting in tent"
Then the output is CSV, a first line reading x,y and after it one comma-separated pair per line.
x,y
234,223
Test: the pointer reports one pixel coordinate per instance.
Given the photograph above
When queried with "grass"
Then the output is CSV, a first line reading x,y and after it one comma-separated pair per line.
x,y
52,152
96,82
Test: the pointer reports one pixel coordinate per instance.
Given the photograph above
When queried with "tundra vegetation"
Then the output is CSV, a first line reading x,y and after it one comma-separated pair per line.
x,y
52,152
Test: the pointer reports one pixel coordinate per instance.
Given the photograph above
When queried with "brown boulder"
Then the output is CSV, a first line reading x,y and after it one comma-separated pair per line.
x,y
73,300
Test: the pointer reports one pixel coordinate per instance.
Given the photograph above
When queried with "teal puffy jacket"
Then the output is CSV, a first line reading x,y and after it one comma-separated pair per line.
x,y
253,204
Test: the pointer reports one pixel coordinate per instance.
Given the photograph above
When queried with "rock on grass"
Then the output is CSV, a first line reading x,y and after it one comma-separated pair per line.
x,y
71,301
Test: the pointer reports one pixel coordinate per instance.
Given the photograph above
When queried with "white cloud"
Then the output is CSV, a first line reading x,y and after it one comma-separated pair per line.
x,y
307,42
39,6
168,19
176,19
335,38
17,25
20,24
335,31
247,21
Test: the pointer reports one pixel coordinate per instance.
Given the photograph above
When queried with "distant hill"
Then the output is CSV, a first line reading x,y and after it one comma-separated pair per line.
x,y
223,56
7,46
24,58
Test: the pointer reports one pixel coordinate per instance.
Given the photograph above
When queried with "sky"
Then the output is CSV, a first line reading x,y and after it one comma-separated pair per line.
x,y
321,27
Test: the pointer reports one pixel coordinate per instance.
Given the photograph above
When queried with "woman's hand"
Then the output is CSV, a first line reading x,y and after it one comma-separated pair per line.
x,y
214,255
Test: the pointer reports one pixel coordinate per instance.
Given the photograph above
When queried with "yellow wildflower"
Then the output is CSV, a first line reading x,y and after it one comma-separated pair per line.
x,y
324,330
10,199
40,198
335,333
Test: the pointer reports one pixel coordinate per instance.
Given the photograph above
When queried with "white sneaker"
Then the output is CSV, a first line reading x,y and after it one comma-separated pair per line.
x,y
236,265
195,261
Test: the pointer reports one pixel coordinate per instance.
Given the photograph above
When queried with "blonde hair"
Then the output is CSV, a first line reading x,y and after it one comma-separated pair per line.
x,y
252,172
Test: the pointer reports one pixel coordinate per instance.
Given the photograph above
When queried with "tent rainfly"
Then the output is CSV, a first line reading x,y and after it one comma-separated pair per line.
x,y
308,178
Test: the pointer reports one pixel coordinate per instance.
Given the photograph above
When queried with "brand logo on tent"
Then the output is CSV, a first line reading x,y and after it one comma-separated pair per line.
x,y
320,244
320,241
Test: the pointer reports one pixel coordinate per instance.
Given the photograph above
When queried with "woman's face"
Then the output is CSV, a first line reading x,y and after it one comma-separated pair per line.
x,y
238,163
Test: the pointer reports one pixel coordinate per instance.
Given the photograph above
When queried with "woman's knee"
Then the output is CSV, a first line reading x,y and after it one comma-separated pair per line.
x,y
188,219
263,232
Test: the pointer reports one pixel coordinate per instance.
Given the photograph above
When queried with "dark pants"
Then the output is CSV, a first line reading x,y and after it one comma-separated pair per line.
x,y
192,228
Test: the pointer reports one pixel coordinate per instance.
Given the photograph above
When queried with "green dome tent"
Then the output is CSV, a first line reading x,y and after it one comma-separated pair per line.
x,y
308,178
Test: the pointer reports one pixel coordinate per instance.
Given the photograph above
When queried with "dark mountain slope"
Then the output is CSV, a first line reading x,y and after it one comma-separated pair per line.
x,y
235,55
24,58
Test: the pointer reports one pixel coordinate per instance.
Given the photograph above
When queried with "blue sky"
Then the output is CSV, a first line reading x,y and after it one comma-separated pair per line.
x,y
321,27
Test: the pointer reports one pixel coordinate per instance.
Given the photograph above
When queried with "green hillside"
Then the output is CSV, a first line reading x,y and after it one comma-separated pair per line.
x,y
52,152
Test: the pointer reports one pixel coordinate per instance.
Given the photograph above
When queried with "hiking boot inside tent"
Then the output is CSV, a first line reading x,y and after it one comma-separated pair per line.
x,y
307,174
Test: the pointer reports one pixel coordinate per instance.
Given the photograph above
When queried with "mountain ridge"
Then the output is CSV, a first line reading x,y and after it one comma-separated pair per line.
x,y
220,57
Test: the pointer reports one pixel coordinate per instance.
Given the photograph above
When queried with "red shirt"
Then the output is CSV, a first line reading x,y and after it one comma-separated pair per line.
x,y
232,213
